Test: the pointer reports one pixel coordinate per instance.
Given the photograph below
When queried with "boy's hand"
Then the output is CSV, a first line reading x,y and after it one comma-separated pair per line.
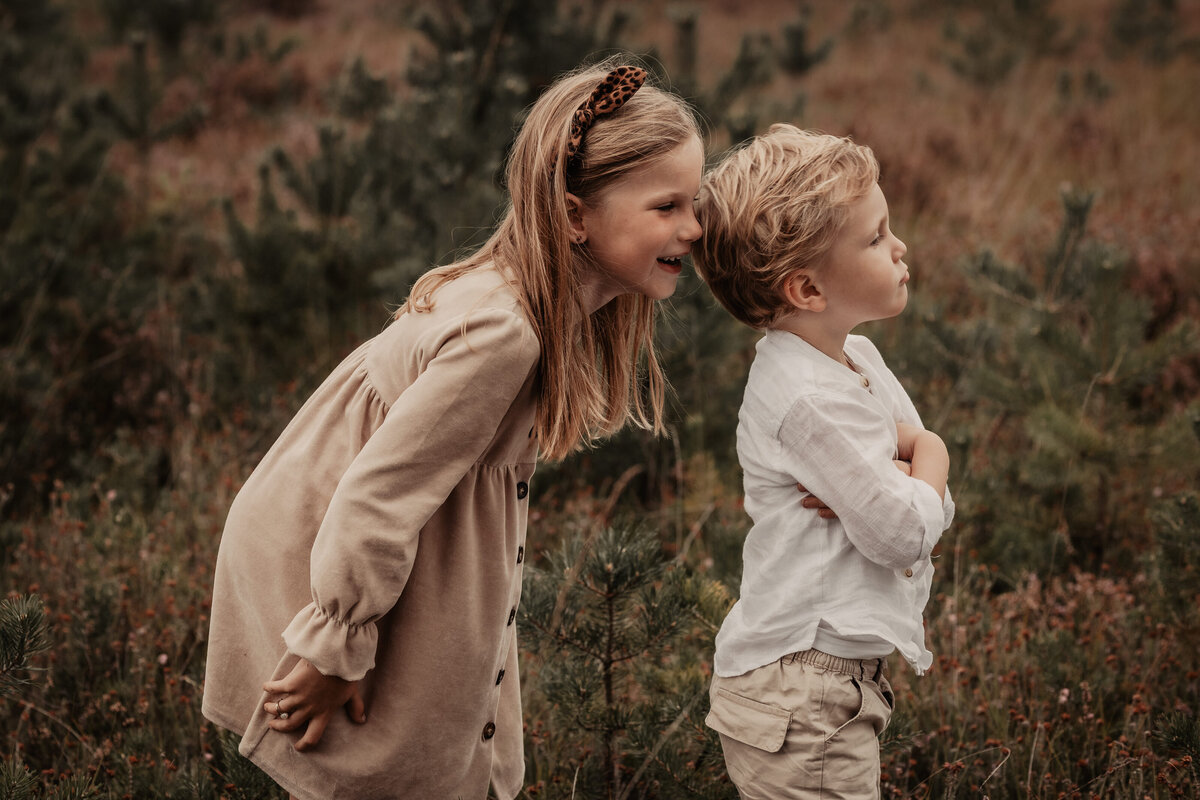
x,y
308,698
926,454
906,439
823,511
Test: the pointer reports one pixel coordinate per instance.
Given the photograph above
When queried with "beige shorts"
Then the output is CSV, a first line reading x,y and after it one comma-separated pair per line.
x,y
804,727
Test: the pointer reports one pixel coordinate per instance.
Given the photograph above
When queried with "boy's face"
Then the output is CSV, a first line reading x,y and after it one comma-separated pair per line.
x,y
863,277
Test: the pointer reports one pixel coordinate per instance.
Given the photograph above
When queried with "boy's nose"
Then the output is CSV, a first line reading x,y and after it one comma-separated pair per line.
x,y
901,248
692,231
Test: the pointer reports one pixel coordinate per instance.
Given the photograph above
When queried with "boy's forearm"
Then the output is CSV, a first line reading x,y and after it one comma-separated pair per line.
x,y
931,461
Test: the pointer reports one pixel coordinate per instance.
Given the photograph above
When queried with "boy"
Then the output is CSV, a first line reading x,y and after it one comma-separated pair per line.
x,y
796,243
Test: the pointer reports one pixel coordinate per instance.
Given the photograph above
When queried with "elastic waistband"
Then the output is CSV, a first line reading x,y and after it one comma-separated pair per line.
x,y
864,669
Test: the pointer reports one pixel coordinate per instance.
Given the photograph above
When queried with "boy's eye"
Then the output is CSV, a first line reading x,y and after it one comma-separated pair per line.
x,y
666,207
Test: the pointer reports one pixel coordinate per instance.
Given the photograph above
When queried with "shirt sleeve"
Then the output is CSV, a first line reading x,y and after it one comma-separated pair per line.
x,y
433,433
842,451
905,411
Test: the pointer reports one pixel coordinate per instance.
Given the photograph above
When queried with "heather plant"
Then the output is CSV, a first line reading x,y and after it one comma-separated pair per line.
x,y
1059,688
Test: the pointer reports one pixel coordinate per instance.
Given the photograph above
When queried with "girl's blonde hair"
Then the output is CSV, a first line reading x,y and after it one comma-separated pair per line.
x,y
772,208
589,381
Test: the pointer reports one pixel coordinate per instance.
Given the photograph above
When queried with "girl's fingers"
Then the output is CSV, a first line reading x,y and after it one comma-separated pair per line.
x,y
296,716
312,736
355,707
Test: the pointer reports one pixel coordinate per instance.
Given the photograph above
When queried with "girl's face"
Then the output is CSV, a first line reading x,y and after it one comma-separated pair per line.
x,y
638,230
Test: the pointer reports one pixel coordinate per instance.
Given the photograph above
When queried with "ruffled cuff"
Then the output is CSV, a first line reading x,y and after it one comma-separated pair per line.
x,y
332,645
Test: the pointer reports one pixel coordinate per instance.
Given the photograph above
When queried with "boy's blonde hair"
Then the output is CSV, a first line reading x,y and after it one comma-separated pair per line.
x,y
772,208
589,381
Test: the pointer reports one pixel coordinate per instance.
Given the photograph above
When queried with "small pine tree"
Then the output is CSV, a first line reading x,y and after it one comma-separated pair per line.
x,y
22,636
1175,559
618,634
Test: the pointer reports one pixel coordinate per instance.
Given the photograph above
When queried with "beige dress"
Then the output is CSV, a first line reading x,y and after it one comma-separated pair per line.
x,y
382,538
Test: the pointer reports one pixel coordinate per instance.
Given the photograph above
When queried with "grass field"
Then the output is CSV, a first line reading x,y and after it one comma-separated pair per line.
x,y
1066,611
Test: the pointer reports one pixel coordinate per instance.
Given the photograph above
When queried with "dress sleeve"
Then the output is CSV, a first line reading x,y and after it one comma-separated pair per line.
x,y
842,452
433,433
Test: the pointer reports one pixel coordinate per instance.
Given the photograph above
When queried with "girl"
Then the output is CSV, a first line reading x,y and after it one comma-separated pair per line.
x,y
370,568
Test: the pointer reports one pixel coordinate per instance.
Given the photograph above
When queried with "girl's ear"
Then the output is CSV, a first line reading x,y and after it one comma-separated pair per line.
x,y
575,219
802,292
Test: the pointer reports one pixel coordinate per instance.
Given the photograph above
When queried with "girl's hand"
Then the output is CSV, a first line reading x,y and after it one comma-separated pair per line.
x,y
310,699
823,511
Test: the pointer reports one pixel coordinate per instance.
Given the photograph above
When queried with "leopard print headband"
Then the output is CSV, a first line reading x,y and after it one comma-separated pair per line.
x,y
609,95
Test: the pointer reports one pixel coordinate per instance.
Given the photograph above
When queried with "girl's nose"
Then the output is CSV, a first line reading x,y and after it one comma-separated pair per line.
x,y
692,231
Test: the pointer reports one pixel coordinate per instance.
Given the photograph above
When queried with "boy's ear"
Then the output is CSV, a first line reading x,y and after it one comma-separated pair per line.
x,y
802,292
575,219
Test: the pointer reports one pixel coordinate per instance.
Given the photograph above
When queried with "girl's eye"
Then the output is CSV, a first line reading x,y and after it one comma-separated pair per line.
x,y
666,207
877,240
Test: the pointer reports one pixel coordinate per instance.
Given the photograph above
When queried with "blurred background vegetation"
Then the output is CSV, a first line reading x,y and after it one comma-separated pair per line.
x,y
204,205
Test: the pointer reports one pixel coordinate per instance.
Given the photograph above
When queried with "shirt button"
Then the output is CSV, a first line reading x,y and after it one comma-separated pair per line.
x,y
908,573
489,731
522,490
520,554
511,616
499,677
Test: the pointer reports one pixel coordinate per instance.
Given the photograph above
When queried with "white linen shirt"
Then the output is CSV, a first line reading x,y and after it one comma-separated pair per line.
x,y
864,576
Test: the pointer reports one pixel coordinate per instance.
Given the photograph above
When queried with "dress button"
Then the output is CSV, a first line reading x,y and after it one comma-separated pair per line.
x,y
499,677
489,730
511,616
520,554
522,490
908,573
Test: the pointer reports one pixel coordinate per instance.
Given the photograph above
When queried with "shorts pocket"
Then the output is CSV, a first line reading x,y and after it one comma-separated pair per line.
x,y
748,721
847,704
